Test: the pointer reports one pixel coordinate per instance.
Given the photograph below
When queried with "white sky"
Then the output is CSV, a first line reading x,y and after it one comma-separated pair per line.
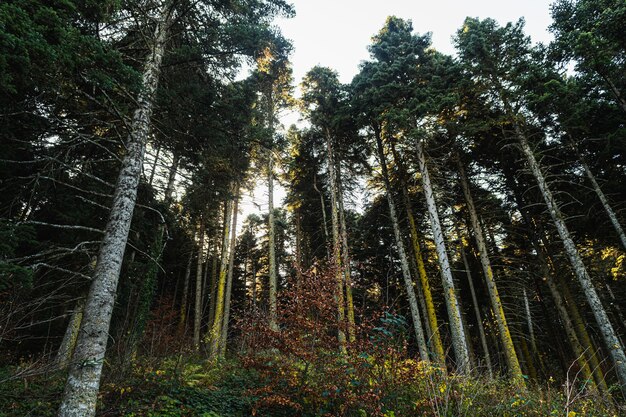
x,y
336,33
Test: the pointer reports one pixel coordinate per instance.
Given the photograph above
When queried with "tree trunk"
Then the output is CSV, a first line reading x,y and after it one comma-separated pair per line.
x,y
216,327
336,250
83,381
197,311
345,251
602,319
273,279
184,301
154,165
605,204
479,321
171,180
71,334
454,313
496,304
323,205
229,280
406,275
430,311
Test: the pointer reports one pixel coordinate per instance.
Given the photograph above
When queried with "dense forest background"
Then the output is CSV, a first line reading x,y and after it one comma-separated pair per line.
x,y
451,241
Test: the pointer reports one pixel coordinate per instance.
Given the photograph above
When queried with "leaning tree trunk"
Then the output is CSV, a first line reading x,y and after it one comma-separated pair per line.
x,y
605,203
83,381
406,275
429,310
454,312
336,252
496,304
229,279
197,312
606,328
216,327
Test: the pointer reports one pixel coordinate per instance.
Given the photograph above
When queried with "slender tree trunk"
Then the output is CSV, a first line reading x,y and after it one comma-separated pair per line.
x,y
345,251
323,205
336,252
184,301
430,311
606,328
214,272
216,327
197,318
71,334
454,313
229,280
406,275
298,254
496,304
171,180
154,165
273,279
605,203
83,381
479,321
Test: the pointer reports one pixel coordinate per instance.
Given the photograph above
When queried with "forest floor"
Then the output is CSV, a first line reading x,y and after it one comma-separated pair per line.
x,y
178,386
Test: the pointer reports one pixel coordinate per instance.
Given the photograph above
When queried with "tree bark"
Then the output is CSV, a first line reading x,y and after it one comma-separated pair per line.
x,y
496,304
216,327
71,334
184,301
606,328
479,321
430,311
197,311
83,381
605,203
171,180
336,250
454,313
273,279
345,252
406,275
229,280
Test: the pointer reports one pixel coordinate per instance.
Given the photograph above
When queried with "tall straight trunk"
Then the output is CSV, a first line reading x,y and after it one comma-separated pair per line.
x,y
229,279
323,205
454,313
215,332
197,311
171,179
404,263
83,381
298,254
430,311
345,252
184,301
214,272
479,320
336,251
605,203
496,304
71,334
606,328
273,279
154,164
